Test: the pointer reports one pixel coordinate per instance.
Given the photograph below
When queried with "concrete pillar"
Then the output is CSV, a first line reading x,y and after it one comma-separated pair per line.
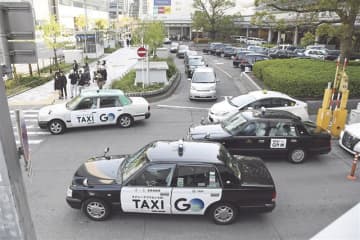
x,y
182,32
317,38
296,36
270,33
278,38
190,33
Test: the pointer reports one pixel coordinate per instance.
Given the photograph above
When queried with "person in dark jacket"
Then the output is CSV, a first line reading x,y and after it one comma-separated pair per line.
x,y
57,83
82,81
75,66
74,78
63,82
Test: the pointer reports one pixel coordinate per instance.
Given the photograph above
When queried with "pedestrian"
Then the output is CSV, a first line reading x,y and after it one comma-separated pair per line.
x,y
74,79
57,83
75,66
82,81
63,82
127,42
86,67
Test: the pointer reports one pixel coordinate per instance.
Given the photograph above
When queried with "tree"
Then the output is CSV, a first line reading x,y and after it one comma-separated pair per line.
x,y
51,34
101,24
346,12
308,39
327,30
211,15
152,34
80,22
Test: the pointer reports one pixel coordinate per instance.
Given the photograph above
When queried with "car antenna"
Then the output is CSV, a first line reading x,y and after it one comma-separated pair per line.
x,y
181,147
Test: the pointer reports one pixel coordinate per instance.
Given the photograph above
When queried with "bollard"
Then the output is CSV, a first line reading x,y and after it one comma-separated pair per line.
x,y
353,167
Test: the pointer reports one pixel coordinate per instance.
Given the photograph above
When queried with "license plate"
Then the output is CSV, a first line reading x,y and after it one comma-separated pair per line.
x,y
69,192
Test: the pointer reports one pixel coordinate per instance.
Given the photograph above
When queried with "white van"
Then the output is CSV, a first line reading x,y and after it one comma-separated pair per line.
x,y
203,83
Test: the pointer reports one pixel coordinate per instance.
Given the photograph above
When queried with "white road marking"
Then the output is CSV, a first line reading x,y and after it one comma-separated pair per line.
x,y
219,63
181,107
35,133
31,142
250,80
29,127
223,71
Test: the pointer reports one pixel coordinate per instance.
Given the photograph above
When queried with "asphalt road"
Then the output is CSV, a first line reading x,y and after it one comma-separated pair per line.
x,y
310,195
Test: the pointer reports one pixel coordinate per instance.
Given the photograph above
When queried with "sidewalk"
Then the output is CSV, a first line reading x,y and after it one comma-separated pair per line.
x,y
118,63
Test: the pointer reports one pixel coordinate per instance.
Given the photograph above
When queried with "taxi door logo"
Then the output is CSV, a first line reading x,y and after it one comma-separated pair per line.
x,y
194,205
89,119
107,117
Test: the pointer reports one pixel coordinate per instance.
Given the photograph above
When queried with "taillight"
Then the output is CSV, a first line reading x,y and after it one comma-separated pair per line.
x,y
273,196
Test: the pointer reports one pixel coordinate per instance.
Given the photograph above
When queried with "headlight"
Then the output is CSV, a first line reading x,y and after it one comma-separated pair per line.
x,y
213,87
221,113
85,182
193,88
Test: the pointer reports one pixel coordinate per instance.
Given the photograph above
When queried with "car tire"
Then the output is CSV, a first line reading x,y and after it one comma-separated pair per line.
x,y
56,127
223,213
96,209
125,121
297,155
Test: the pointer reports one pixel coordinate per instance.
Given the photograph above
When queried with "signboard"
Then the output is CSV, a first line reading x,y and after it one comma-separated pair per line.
x,y
162,2
162,7
22,52
141,52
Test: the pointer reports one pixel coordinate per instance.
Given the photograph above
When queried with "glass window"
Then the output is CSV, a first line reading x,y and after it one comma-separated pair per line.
x,y
234,123
197,176
124,100
87,103
283,130
158,175
109,102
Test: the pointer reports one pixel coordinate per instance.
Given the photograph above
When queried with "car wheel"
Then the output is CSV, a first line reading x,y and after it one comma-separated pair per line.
x,y
297,155
125,121
56,127
96,209
223,213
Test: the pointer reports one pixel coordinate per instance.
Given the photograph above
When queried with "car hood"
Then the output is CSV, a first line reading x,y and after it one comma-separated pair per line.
x,y
353,129
210,131
55,108
139,101
99,170
254,172
202,86
223,106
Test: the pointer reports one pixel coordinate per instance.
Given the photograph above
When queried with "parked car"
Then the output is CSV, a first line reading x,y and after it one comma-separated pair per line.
x,y
229,52
193,63
265,133
255,41
214,47
240,57
256,100
167,41
94,108
220,51
316,54
173,177
250,59
209,47
203,84
181,51
187,54
174,47
282,54
332,55
350,137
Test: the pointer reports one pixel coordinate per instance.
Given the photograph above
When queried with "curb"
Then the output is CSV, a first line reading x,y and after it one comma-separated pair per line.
x,y
159,94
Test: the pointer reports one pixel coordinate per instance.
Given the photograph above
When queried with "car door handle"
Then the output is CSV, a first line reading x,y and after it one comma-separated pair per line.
x,y
214,194
93,112
164,194
261,141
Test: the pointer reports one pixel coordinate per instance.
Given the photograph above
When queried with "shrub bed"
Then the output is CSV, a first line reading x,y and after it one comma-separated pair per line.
x,y
126,83
304,77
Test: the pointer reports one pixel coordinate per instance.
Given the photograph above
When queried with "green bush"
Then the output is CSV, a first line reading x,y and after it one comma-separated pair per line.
x,y
110,50
304,77
126,84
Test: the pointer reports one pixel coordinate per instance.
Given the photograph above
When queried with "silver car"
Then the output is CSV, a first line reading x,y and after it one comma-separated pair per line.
x,y
203,84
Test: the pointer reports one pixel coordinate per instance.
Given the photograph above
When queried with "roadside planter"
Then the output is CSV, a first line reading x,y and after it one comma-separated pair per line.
x,y
157,73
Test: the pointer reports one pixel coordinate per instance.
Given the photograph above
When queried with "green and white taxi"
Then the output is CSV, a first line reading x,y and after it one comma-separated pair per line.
x,y
94,108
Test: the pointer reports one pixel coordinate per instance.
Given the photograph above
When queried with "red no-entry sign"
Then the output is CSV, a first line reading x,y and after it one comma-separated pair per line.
x,y
141,52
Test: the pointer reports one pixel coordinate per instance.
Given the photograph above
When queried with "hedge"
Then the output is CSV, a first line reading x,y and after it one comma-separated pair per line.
x,y
304,77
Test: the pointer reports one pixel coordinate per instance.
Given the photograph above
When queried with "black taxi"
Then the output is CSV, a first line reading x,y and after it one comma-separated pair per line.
x,y
266,133
173,177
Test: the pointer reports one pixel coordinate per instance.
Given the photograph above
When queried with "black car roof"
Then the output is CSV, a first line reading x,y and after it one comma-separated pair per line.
x,y
184,151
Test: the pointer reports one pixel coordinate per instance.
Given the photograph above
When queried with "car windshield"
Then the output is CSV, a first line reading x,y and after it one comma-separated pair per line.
x,y
73,103
183,47
234,123
196,61
241,100
203,77
132,164
230,161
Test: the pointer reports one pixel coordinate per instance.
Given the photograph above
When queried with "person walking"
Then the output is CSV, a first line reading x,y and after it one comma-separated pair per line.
x,y
75,66
74,79
57,83
63,82
82,81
